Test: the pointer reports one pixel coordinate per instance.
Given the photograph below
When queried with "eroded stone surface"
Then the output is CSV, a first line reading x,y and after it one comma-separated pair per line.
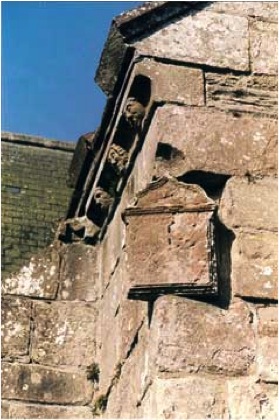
x,y
250,400
261,9
39,278
252,205
211,140
43,384
190,398
16,410
267,358
79,273
207,38
193,337
268,320
15,328
256,94
64,333
264,47
173,83
254,265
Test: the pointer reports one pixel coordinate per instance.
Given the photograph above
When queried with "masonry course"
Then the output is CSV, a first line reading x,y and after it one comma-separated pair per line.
x,y
90,344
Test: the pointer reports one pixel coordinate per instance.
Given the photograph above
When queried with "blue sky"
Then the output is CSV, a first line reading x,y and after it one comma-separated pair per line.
x,y
50,52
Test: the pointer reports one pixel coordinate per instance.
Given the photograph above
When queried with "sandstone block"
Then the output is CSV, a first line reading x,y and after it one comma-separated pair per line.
x,y
130,387
64,333
214,141
190,398
79,273
4,410
252,205
173,83
15,328
18,410
267,358
250,400
189,336
256,94
42,384
268,320
264,47
225,43
254,265
261,9
39,278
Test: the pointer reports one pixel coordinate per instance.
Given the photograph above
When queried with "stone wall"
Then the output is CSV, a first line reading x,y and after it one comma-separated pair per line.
x,y
128,327
34,195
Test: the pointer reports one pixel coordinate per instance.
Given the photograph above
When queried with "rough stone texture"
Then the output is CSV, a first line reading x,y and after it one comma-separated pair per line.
x,y
254,265
219,142
264,47
250,205
268,320
34,195
177,250
15,328
42,384
189,336
256,94
206,38
267,359
260,9
126,395
179,84
16,410
190,398
39,278
64,333
79,273
250,400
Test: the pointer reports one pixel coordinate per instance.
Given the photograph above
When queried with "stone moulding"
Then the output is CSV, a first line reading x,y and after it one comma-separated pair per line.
x,y
115,147
171,242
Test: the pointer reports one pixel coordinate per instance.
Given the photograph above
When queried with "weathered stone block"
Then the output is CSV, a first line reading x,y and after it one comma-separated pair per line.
x,y
15,328
268,320
264,47
250,400
39,278
194,337
64,333
131,385
189,398
252,205
261,9
173,83
224,45
79,273
214,141
254,265
267,358
256,94
43,384
17,410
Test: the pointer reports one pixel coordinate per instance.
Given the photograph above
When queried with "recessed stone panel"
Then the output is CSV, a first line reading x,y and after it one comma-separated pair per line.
x,y
170,241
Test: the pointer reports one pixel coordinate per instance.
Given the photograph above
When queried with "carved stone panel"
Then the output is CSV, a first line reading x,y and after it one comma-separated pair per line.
x,y
170,242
